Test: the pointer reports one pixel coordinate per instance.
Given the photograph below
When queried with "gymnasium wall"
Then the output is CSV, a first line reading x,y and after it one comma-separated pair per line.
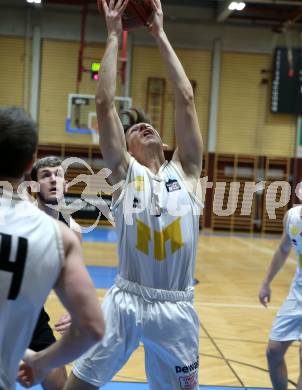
x,y
245,124
59,75
58,79
14,71
147,63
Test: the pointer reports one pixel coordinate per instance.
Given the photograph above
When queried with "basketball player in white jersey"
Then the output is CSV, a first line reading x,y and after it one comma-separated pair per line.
x,y
287,326
49,174
152,299
36,254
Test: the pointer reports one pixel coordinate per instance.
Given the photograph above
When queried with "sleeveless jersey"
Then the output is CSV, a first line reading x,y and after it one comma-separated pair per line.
x,y
157,223
31,258
294,230
70,222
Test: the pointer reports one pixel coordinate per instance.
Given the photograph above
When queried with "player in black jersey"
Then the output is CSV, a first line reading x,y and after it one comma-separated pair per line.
x,y
49,174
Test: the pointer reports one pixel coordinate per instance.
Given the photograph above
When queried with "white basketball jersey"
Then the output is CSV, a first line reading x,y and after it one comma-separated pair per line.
x,y
294,230
157,222
31,258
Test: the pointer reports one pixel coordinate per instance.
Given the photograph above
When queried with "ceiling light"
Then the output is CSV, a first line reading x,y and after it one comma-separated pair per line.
x,y
34,1
232,6
236,6
240,6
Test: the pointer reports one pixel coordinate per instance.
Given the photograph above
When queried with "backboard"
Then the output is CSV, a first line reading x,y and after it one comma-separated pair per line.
x,y
81,116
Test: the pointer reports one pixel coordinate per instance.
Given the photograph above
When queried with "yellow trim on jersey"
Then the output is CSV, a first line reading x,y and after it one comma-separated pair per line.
x,y
294,230
171,232
143,237
139,183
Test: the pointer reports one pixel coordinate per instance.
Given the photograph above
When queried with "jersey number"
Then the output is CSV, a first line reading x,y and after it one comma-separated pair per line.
x,y
16,267
172,232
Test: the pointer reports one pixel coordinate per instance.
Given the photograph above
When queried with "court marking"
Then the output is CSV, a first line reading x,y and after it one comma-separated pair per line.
x,y
261,249
221,355
103,277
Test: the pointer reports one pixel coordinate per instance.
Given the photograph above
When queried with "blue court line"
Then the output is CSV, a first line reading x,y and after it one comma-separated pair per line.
x,y
144,386
103,277
101,234
107,234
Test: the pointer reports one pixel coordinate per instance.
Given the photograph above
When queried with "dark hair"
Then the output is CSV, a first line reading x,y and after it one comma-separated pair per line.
x,y
18,141
134,116
49,161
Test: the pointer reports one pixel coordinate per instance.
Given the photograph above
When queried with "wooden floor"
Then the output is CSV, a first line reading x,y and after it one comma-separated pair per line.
x,y
234,326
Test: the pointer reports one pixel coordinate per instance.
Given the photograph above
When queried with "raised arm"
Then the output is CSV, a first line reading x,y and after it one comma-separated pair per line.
x,y
112,139
276,264
187,131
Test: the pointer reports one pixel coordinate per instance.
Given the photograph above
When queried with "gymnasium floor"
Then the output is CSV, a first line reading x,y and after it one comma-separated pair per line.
x,y
234,326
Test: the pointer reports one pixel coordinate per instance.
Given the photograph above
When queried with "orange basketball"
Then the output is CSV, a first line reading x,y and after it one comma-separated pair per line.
x,y
138,13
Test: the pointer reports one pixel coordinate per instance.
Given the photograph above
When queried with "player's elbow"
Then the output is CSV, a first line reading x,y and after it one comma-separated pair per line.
x,y
96,329
92,327
96,335
186,95
284,251
104,102
93,330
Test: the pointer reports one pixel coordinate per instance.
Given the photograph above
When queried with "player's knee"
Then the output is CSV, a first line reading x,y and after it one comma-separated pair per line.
x,y
55,380
274,352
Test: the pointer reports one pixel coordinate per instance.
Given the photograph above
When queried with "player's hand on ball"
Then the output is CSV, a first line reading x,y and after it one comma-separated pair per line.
x,y
156,25
113,11
63,324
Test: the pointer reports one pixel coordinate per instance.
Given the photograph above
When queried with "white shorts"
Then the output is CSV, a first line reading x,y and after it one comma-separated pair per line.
x,y
287,325
164,321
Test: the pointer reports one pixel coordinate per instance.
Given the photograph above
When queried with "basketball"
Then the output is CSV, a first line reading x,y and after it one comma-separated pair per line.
x,y
137,14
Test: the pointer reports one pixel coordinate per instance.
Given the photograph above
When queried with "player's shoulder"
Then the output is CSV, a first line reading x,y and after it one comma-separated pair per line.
x,y
33,211
287,215
74,225
76,228
292,216
68,236
135,165
191,183
296,210
34,223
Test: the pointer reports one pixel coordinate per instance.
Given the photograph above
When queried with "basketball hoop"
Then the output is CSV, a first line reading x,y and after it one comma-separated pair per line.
x,y
81,116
